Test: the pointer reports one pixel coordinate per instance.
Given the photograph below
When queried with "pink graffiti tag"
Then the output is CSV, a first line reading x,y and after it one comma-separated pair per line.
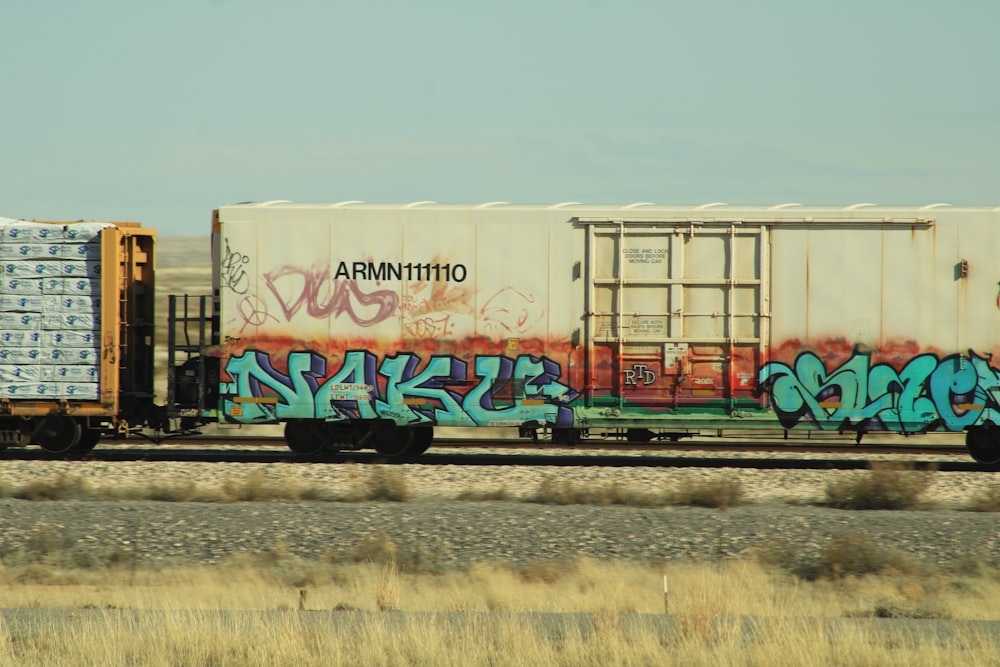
x,y
512,310
323,297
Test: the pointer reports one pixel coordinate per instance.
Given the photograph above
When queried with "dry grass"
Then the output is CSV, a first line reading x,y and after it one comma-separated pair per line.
x,y
730,613
848,576
254,486
380,550
985,501
198,638
60,487
485,495
886,486
379,483
718,493
387,586
370,483
842,555
376,483
554,491
584,585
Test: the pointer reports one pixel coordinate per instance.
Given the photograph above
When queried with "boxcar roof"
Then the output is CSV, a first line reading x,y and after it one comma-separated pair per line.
x,y
644,207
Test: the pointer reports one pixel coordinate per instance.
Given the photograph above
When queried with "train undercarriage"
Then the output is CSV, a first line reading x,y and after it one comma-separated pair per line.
x,y
67,436
309,437
56,434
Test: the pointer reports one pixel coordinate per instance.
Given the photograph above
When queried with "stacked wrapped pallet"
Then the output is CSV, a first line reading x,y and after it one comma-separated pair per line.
x,y
50,310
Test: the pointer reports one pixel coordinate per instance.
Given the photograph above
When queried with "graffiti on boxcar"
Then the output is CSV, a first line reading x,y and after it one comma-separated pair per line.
x,y
253,311
233,268
429,327
433,310
296,287
928,392
502,391
425,298
511,311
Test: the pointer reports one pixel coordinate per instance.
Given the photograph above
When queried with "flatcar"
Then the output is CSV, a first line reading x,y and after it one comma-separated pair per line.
x,y
374,326
76,332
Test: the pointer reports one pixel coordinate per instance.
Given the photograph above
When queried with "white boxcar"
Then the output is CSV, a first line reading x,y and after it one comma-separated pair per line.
x,y
361,324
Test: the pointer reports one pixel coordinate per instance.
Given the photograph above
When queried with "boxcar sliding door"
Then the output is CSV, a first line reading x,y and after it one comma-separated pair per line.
x,y
677,313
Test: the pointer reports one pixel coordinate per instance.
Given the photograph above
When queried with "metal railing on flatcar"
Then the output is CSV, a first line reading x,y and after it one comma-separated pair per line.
x,y
192,375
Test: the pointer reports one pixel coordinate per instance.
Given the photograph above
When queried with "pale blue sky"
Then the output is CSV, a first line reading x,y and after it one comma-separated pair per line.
x,y
159,112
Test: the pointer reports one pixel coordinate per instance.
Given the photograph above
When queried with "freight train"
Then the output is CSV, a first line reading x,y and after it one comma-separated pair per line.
x,y
366,326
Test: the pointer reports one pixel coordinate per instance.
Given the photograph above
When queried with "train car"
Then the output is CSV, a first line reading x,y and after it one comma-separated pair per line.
x,y
360,325
76,331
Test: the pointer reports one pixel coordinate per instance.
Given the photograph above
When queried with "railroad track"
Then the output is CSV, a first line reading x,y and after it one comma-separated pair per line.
x,y
765,455
727,444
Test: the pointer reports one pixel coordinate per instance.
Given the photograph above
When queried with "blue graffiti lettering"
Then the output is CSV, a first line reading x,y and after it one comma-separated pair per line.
x,y
927,393
359,368
404,388
399,388
252,371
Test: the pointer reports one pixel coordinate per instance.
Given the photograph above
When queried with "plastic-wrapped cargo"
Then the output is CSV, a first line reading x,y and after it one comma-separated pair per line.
x,y
76,323
67,260
30,250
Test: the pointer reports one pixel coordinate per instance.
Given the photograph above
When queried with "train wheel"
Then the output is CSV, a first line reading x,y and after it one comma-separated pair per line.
x,y
307,437
423,436
390,439
57,434
983,443
89,437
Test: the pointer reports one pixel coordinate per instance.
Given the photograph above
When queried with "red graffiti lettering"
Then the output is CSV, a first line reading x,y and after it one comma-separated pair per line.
x,y
295,287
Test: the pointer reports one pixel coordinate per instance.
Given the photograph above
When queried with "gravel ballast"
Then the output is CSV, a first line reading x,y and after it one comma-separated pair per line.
x,y
459,533
435,527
